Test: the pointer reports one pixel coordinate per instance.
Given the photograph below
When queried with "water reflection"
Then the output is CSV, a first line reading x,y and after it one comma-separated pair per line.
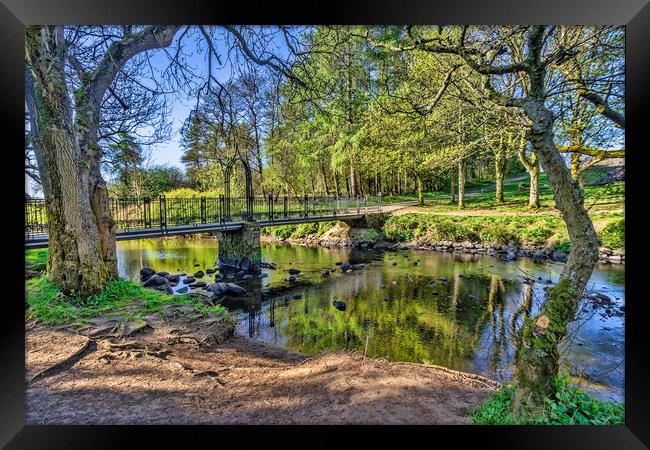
x,y
458,311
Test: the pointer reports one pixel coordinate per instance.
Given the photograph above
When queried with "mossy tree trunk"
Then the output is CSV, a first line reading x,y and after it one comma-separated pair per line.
x,y
75,260
538,356
82,252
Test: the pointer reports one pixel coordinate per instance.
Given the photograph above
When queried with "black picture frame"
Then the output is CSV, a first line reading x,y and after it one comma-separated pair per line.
x,y
635,14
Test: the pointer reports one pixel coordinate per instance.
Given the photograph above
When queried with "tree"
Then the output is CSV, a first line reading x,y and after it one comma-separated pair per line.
x,y
492,58
82,254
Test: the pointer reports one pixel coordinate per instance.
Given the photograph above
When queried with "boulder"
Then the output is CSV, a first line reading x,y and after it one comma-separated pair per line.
x,y
163,274
217,288
199,284
325,272
146,273
293,271
155,280
199,274
188,280
210,271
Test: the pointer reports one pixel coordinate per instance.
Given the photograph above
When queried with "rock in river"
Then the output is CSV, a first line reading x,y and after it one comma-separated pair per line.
x,y
339,305
199,274
293,271
146,273
188,280
235,288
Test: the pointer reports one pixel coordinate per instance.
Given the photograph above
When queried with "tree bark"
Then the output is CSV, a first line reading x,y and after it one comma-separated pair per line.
x,y
538,356
532,167
75,262
461,183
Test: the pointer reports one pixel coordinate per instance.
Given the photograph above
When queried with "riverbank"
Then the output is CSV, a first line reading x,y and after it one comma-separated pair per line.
x,y
509,237
157,376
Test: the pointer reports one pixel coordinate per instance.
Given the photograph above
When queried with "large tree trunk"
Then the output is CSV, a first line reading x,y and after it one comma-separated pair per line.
x,y
538,356
75,262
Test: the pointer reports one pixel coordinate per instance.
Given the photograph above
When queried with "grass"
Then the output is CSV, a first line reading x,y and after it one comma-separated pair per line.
x,y
533,230
597,198
36,259
45,303
568,406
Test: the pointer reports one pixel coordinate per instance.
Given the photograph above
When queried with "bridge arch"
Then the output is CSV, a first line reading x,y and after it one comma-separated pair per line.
x,y
249,185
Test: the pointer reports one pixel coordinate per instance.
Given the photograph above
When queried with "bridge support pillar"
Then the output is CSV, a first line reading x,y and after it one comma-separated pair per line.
x,y
240,249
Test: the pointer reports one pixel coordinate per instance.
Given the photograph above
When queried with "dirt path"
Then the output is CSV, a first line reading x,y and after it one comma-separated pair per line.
x,y
158,377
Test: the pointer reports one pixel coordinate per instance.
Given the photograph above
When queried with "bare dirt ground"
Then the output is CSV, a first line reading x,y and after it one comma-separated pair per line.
x,y
192,372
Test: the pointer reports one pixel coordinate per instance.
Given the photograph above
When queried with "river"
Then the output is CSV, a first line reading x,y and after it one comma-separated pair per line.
x,y
400,307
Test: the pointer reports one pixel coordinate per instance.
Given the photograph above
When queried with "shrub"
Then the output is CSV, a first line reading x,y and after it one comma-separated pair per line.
x,y
568,406
613,235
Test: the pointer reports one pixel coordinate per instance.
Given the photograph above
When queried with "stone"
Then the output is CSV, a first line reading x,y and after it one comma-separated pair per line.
x,y
198,284
217,288
210,271
154,280
188,280
235,288
162,274
510,256
146,273
559,256
346,266
174,279
339,305
444,279
325,272
290,279
293,271
199,274
247,277
197,265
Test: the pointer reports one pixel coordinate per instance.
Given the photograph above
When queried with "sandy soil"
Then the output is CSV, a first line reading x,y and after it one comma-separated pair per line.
x,y
169,374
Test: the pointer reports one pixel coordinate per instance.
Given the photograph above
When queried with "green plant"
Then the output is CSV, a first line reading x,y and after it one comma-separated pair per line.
x,y
47,304
613,235
568,406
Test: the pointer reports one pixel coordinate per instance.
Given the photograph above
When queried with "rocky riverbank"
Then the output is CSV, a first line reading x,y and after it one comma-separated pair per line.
x,y
364,239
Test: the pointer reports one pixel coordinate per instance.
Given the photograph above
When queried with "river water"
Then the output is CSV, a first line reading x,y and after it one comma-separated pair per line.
x,y
399,308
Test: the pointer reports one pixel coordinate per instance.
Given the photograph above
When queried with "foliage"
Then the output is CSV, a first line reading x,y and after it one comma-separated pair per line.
x,y
315,230
47,304
612,235
497,230
568,406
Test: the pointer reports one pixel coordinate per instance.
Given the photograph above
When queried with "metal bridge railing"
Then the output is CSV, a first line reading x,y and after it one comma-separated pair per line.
x,y
131,213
